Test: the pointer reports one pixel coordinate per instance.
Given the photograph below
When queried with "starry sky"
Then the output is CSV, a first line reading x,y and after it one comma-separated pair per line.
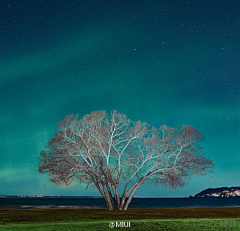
x,y
162,62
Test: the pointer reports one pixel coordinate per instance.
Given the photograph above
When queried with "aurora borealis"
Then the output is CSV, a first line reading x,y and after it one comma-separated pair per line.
x,y
162,62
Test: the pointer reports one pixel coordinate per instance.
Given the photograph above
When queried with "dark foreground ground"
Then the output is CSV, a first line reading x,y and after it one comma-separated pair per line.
x,y
225,218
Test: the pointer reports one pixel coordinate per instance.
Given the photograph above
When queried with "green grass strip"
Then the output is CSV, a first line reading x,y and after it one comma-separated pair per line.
x,y
230,224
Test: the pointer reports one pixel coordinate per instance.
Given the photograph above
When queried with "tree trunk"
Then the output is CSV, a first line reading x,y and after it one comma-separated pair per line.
x,y
130,197
122,202
108,203
108,198
117,197
106,195
124,205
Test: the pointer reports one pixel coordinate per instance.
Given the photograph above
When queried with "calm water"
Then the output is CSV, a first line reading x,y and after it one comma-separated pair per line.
x,y
28,203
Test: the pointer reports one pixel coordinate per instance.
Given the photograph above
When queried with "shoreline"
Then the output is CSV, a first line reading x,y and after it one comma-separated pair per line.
x,y
40,207
129,209
99,203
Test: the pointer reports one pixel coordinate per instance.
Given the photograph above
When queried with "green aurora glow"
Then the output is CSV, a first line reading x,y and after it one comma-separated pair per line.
x,y
162,62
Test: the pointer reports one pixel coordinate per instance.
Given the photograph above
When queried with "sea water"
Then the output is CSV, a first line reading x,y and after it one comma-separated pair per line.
x,y
30,203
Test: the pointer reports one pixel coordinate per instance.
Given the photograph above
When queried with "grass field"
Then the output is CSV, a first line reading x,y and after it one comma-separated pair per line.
x,y
141,219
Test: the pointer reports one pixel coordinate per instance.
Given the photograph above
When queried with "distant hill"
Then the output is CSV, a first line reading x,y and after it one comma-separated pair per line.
x,y
220,192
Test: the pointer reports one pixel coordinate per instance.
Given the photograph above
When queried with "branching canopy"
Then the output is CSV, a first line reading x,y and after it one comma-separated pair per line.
x,y
106,150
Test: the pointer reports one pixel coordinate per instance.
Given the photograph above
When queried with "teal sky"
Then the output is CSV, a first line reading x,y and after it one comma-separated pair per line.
x,y
162,62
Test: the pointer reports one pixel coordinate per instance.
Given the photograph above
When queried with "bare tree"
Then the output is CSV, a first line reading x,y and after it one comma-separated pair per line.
x,y
109,150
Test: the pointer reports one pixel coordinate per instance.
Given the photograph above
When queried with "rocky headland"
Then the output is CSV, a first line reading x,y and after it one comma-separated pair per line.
x,y
220,192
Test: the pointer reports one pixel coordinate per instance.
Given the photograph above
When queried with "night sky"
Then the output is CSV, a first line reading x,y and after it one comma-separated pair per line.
x,y
159,61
